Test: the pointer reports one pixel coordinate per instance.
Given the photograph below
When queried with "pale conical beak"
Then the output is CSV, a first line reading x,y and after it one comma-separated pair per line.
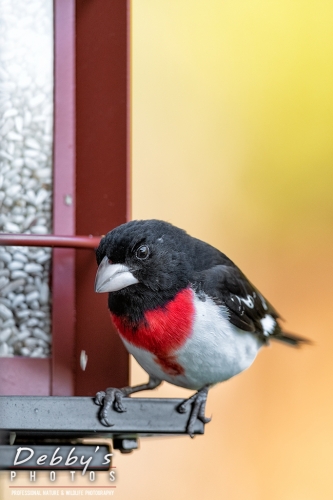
x,y
113,277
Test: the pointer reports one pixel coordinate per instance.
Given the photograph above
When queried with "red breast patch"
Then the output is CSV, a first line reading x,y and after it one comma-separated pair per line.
x,y
162,330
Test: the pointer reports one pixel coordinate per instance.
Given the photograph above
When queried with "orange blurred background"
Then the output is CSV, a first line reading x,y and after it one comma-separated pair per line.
x,y
233,141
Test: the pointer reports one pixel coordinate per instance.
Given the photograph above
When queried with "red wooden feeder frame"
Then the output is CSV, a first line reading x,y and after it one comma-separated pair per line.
x,y
91,192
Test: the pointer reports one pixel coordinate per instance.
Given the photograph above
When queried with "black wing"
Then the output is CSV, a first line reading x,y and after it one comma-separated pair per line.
x,y
228,286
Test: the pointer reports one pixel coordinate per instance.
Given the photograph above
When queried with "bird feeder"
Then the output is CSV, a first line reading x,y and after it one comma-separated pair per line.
x,y
89,136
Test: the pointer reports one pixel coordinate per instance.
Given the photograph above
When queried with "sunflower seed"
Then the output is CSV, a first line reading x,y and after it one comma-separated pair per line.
x,y
5,312
5,334
3,350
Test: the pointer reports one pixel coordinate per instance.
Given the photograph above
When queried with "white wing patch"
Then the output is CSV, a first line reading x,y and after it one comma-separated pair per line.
x,y
249,302
268,324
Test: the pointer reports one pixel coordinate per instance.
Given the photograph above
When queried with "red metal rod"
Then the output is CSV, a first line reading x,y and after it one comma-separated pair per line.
x,y
29,240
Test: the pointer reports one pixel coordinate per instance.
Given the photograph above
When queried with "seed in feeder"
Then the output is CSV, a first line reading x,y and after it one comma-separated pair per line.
x,y
30,342
6,302
14,136
38,353
32,322
27,118
9,323
13,190
42,195
20,257
39,230
7,202
18,273
32,143
21,306
32,183
3,281
5,312
30,163
38,314
5,257
18,219
14,265
35,101
43,173
5,334
42,343
32,296
19,298
43,258
23,335
3,350
31,267
19,124
5,155
10,227
9,113
24,351
13,285
12,339
23,314
39,334
26,126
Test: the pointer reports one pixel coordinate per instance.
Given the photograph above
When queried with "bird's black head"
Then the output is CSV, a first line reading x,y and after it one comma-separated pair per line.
x,y
143,264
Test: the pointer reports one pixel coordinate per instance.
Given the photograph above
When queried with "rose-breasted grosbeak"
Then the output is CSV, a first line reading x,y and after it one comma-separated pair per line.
x,y
183,309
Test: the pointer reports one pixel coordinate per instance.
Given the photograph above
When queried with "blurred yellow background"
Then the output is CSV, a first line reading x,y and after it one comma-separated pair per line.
x,y
233,141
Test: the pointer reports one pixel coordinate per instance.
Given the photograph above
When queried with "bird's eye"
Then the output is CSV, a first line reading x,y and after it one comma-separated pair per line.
x,y
142,252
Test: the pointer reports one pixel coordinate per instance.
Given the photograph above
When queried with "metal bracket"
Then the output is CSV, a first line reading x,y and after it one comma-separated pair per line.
x,y
41,420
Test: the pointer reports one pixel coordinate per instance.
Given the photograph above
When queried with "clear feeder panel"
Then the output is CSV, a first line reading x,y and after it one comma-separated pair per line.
x,y
26,142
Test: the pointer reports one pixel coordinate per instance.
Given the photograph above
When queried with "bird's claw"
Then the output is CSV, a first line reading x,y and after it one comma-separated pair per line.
x,y
107,399
198,402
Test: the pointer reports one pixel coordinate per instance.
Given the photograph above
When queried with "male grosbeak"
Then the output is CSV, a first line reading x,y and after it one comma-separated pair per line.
x,y
183,309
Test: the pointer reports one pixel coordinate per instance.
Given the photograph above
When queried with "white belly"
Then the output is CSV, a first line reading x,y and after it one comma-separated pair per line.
x,y
212,354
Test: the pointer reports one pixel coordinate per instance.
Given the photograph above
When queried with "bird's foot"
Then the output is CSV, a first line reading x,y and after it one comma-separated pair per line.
x,y
111,397
198,402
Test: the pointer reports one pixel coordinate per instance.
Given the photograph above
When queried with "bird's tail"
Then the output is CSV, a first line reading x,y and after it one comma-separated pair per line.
x,y
291,339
